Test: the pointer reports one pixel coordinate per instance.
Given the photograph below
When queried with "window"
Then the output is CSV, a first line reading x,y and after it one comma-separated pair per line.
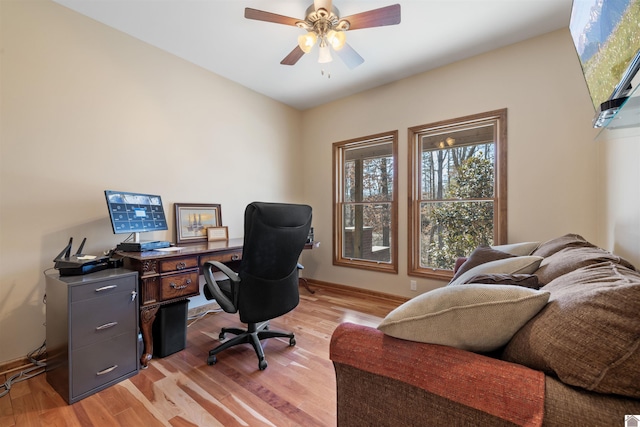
x,y
365,206
458,190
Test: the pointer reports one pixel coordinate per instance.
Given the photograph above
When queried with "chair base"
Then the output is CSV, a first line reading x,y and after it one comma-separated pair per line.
x,y
254,333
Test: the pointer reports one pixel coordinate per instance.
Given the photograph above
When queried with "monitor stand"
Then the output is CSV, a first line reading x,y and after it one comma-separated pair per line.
x,y
137,245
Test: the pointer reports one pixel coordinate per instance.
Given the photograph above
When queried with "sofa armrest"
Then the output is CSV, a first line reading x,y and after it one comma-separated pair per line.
x,y
456,383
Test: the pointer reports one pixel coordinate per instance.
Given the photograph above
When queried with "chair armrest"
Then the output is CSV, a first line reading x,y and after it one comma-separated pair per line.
x,y
476,383
228,302
232,275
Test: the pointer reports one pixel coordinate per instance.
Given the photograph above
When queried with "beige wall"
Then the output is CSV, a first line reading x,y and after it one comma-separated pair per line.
x,y
620,175
552,156
86,108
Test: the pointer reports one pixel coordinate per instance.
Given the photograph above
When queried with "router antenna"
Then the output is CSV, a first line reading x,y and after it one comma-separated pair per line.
x,y
79,252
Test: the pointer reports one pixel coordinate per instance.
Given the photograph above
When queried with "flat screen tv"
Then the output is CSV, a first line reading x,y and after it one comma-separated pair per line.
x,y
135,212
607,39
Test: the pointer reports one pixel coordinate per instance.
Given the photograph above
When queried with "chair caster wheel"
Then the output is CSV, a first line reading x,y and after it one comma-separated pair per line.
x,y
262,365
222,336
292,342
212,360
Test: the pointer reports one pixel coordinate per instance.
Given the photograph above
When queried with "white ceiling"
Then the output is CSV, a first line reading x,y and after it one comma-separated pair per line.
x,y
215,35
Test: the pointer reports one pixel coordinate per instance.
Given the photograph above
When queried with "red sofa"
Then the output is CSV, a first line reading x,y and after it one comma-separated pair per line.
x,y
577,362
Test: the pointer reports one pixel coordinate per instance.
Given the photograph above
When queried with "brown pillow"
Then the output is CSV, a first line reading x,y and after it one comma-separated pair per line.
x,y
554,245
481,255
574,257
588,335
524,280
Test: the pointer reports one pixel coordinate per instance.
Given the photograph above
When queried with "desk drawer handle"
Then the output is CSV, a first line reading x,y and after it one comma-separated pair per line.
x,y
106,288
106,326
181,266
235,257
176,287
106,371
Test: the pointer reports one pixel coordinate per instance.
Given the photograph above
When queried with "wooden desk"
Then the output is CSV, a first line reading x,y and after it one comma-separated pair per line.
x,y
167,277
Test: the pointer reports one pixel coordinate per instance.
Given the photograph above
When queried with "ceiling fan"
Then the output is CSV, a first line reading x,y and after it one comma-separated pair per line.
x,y
323,25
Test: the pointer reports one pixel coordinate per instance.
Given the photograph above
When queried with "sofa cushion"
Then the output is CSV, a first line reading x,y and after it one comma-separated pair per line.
x,y
572,258
511,265
589,333
525,280
472,317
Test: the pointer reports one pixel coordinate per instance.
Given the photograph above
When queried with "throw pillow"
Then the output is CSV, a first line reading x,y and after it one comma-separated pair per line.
x,y
473,317
481,255
524,280
518,249
514,265
589,333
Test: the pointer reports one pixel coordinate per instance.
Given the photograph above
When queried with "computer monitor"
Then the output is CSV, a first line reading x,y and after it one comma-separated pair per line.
x,y
135,213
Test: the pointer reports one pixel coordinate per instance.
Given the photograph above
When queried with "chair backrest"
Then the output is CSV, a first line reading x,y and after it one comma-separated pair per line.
x,y
274,237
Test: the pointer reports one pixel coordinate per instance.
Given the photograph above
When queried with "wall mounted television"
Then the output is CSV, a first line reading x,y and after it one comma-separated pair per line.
x,y
135,212
606,37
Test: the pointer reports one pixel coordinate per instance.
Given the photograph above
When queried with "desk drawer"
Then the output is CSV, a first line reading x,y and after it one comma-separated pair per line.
x,y
98,364
98,319
179,285
222,257
98,288
178,264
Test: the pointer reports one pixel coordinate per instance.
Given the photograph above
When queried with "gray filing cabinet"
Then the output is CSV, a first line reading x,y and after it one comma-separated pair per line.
x,y
92,331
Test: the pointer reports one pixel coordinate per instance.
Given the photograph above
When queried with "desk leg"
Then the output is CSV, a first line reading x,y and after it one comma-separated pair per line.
x,y
305,284
147,316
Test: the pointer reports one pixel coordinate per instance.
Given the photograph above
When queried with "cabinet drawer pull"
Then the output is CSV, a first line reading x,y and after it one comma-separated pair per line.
x,y
181,266
106,326
106,288
174,286
235,257
106,371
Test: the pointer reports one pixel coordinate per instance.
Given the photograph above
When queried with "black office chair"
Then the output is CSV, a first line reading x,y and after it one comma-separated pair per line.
x,y
266,285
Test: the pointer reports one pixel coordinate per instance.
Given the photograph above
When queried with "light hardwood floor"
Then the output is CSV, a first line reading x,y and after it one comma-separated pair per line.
x,y
296,389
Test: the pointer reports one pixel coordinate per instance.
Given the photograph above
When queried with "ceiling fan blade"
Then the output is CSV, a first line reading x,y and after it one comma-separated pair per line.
x,y
324,4
389,15
261,15
349,56
293,56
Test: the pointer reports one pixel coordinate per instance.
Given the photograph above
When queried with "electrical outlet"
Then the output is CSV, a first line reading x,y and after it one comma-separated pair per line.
x,y
413,285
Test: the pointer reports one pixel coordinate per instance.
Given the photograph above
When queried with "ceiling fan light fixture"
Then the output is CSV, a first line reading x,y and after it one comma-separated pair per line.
x,y
325,54
336,39
307,41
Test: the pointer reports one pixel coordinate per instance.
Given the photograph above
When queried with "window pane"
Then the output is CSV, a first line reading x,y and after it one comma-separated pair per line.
x,y
368,174
458,172
449,230
367,231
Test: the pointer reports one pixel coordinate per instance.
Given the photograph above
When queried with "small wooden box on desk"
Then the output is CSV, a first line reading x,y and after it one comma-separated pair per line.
x,y
92,331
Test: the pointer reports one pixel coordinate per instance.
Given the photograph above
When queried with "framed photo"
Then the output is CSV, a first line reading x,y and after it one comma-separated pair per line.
x,y
215,234
193,220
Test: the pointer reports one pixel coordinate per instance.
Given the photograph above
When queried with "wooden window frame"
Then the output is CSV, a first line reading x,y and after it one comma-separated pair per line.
x,y
499,117
339,202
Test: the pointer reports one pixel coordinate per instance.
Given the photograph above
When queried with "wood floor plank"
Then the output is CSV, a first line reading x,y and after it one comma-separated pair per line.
x,y
180,390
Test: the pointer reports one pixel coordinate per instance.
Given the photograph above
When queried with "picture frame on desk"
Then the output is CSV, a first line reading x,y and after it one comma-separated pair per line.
x,y
216,234
193,220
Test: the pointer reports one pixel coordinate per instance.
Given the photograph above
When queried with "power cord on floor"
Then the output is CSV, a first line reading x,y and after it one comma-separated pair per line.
x,y
37,369
194,319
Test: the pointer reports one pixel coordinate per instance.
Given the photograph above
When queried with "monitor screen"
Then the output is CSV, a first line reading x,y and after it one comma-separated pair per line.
x,y
135,212
607,40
